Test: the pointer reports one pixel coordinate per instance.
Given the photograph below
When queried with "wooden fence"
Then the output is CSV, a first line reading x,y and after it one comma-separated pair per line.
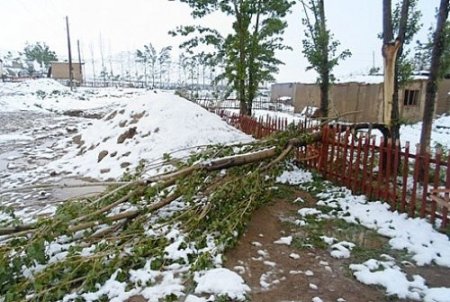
x,y
418,185
264,125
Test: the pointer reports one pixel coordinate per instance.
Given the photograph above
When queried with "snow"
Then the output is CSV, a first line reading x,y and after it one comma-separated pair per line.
x,y
48,95
439,135
294,256
14,137
341,249
284,240
415,235
294,176
154,124
221,281
369,79
375,272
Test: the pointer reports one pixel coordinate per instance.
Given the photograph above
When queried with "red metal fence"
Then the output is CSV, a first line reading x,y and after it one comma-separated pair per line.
x,y
418,185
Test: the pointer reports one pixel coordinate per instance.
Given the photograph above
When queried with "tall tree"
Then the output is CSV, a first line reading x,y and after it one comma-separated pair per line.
x,y
148,57
249,51
432,84
422,58
404,23
41,53
320,48
163,62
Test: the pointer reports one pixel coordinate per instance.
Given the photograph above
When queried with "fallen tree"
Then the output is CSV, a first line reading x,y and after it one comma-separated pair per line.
x,y
201,206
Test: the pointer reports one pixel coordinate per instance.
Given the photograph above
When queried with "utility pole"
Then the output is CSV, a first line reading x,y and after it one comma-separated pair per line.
x,y
79,60
70,55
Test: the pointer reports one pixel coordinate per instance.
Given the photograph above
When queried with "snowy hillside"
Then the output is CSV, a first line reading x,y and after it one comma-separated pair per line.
x,y
49,95
143,129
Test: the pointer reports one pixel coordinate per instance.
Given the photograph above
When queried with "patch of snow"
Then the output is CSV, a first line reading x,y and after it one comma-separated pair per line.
x,y
295,177
309,273
284,240
374,272
221,281
294,256
341,249
415,235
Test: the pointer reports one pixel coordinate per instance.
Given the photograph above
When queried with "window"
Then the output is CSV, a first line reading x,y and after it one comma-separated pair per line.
x,y
411,97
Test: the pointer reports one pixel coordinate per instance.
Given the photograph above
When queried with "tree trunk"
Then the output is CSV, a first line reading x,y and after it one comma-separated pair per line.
x,y
395,113
432,84
389,55
252,83
325,75
389,51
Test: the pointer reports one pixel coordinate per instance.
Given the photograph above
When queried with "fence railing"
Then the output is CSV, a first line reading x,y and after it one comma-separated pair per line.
x,y
416,184
264,125
410,182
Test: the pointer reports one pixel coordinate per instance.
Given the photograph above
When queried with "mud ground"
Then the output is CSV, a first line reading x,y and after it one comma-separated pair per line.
x,y
276,275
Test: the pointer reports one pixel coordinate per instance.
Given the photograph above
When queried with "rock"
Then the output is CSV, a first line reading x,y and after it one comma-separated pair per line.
x,y
126,154
103,171
136,299
126,135
125,164
77,140
136,117
113,154
101,155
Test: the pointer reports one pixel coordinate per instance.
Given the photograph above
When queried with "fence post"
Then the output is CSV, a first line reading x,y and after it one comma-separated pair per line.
x,y
447,185
412,205
437,172
405,172
356,183
426,178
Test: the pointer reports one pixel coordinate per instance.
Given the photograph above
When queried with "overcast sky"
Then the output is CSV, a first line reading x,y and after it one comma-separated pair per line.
x,y
122,25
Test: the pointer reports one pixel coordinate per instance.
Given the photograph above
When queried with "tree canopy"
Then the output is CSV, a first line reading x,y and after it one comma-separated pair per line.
x,y
248,53
320,48
41,53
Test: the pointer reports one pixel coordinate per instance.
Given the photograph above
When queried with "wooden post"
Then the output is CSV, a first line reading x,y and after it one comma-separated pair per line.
x,y
70,55
79,61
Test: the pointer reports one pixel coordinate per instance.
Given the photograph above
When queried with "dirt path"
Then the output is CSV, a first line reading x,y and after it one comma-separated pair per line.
x,y
275,274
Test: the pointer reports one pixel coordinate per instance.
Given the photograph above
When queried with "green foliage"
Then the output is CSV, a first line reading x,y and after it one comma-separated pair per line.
x,y
320,48
248,53
150,58
213,210
422,58
405,63
41,53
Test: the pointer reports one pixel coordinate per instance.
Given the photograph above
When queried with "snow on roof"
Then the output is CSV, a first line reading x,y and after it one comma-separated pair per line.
x,y
370,79
358,78
143,128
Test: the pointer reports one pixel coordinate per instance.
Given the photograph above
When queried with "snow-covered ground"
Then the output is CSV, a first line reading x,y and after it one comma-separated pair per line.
x,y
414,235
440,135
39,143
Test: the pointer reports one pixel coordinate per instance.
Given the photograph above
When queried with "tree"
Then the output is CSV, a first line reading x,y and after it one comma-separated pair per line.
x,y
148,57
404,22
422,58
248,52
41,53
439,43
320,49
163,61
